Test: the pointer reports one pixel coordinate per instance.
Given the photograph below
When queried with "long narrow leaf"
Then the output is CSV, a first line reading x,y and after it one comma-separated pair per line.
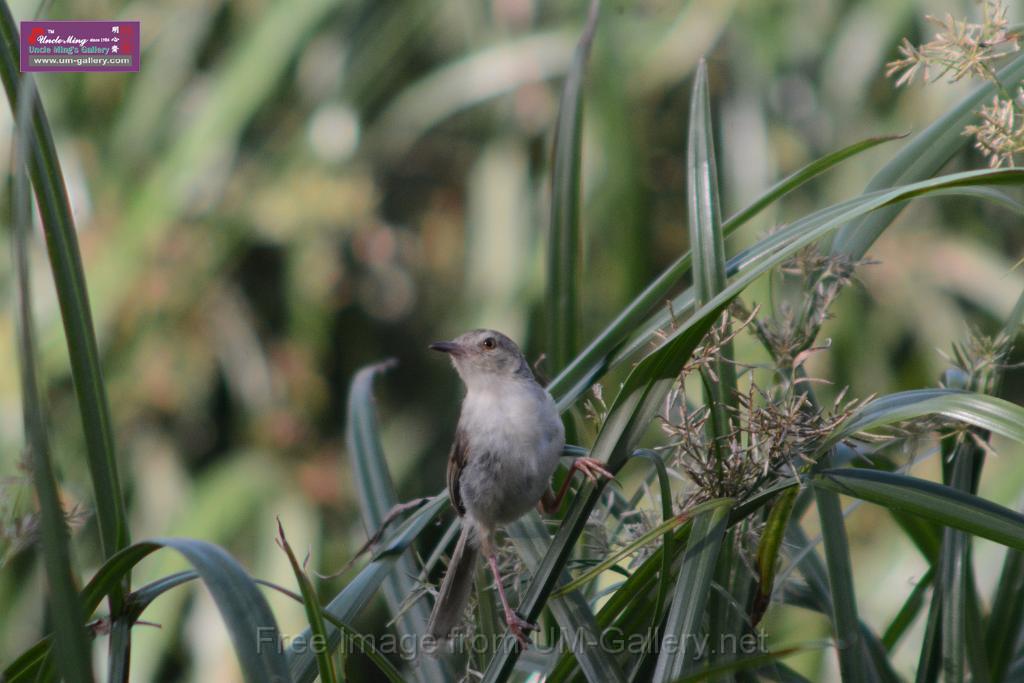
x,y
908,612
73,651
565,244
942,504
1004,625
921,158
680,642
853,665
587,366
645,387
66,264
358,592
377,498
985,412
311,602
574,617
245,611
708,248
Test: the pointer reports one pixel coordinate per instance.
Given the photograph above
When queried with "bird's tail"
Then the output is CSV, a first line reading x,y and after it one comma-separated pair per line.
x,y
455,589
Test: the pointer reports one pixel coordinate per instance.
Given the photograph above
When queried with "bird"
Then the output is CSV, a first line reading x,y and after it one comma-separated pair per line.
x,y
507,446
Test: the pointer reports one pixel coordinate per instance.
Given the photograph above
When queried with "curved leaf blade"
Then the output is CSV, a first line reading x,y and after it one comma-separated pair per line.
x,y
943,504
565,243
377,498
583,370
680,645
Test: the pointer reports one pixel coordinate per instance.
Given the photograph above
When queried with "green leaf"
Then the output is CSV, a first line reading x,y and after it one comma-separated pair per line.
x,y
377,498
820,222
853,664
358,641
245,611
65,607
644,389
691,593
347,604
570,609
69,279
708,248
665,489
986,412
817,595
764,659
565,243
908,612
954,572
324,661
768,550
584,369
246,614
1004,625
706,243
664,529
921,158
942,504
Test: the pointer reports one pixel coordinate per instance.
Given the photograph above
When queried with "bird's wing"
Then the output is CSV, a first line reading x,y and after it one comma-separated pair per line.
x,y
456,462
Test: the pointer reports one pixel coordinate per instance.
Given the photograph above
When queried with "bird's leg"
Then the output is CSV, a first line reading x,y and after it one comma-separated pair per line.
x,y
519,627
592,469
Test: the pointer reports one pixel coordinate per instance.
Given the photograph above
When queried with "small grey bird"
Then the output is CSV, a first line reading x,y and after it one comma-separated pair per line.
x,y
507,445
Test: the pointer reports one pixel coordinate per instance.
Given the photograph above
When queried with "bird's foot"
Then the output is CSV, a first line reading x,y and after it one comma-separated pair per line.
x,y
592,469
520,628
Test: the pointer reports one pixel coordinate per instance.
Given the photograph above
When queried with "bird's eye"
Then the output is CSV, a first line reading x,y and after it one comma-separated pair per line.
x,y
489,343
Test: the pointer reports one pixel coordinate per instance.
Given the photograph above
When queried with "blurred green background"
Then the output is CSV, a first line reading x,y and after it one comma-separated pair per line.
x,y
289,190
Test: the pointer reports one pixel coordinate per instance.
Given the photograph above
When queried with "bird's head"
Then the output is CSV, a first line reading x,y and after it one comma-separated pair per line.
x,y
485,356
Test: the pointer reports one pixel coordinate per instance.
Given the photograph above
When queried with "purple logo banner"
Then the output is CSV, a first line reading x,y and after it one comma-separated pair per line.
x,y
80,45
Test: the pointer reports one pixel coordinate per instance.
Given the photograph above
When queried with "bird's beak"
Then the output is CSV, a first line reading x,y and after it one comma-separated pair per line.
x,y
446,347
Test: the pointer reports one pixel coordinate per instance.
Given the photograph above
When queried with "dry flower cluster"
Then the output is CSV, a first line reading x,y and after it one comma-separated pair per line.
x,y
964,48
774,434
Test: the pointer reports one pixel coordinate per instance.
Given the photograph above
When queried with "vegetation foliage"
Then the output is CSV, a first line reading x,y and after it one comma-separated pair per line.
x,y
704,393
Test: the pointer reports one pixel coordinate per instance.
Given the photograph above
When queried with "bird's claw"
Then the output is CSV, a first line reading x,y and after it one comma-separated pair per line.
x,y
592,469
520,628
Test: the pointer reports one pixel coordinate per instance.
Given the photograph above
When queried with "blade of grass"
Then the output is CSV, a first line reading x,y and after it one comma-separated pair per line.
x,y
708,248
954,557
645,539
250,623
665,489
311,602
683,304
243,608
576,621
768,551
65,607
908,612
358,641
680,643
1004,625
943,504
819,598
377,498
853,663
565,244
985,412
581,373
929,663
641,394
716,671
358,592
921,158
66,263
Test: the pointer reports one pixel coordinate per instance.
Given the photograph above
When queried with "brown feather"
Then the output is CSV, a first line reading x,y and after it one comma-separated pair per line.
x,y
456,462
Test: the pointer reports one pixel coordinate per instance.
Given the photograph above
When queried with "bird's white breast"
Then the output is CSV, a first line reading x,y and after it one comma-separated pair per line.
x,y
515,437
